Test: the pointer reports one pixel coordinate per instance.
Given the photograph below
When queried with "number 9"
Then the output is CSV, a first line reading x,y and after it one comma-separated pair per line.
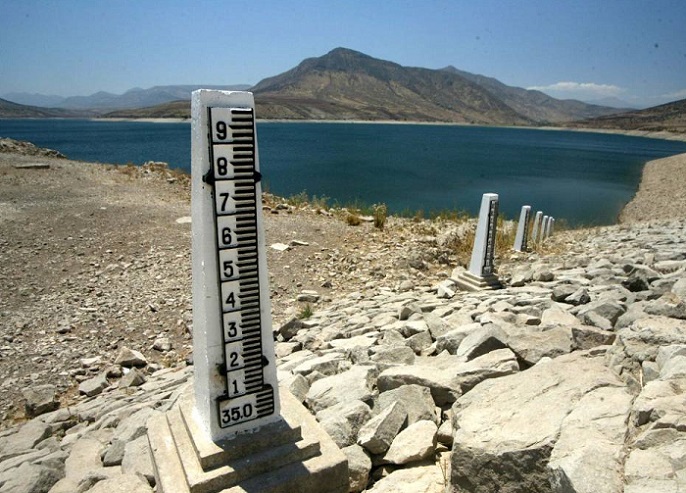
x,y
221,130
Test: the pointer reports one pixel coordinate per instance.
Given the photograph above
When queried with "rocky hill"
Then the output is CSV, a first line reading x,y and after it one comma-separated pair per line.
x,y
366,88
670,117
570,379
536,105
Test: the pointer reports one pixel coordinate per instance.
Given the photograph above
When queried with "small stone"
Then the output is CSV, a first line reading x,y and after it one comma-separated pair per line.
x,y
94,386
279,247
40,399
133,378
162,344
308,296
130,357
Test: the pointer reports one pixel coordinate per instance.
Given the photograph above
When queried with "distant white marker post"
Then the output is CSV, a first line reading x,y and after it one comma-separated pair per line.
x,y
481,273
521,240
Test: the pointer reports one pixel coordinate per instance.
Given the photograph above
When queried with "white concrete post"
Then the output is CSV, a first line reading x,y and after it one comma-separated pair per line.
x,y
236,389
520,243
484,242
551,226
537,227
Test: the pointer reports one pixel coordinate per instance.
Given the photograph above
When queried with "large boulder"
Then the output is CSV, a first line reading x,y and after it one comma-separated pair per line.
x,y
506,429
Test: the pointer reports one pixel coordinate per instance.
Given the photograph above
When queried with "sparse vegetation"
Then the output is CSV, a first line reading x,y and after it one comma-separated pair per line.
x,y
306,312
380,214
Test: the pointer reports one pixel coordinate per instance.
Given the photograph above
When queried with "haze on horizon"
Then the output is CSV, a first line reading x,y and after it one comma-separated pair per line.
x,y
629,50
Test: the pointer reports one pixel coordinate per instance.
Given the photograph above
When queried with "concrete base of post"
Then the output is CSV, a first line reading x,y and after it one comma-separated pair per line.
x,y
470,282
294,454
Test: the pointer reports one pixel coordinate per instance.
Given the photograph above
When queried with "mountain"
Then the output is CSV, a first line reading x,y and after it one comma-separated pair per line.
x,y
174,109
28,99
348,85
534,104
670,116
140,98
9,109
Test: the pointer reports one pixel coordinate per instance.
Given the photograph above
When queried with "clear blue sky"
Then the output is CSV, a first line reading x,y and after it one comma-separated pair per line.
x,y
631,49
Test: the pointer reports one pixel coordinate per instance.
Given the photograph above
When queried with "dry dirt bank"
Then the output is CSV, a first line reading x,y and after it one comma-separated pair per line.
x,y
662,192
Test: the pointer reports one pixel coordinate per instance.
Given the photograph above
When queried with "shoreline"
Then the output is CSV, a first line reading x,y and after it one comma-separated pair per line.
x,y
650,134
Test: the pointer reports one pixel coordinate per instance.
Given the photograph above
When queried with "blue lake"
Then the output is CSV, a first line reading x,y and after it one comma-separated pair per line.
x,y
577,176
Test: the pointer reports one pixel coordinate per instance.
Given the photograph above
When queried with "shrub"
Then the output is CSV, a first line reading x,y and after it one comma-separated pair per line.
x,y
380,214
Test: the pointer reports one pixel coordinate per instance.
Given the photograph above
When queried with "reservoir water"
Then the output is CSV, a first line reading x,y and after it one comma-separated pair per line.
x,y
584,178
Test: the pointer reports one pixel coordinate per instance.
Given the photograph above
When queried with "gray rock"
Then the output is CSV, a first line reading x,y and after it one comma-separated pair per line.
x,y
130,357
637,281
329,364
40,399
84,457
450,341
126,483
386,357
679,288
586,337
25,439
531,344
162,344
608,310
495,364
344,420
407,310
134,426
414,443
94,386
589,453
436,374
133,378
562,292
419,342
290,329
29,478
415,399
378,433
425,477
556,314
642,338
437,326
354,384
482,341
506,428
359,467
114,454
137,459
579,297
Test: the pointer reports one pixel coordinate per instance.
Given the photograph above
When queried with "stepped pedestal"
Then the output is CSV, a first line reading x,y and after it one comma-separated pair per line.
x,y
291,455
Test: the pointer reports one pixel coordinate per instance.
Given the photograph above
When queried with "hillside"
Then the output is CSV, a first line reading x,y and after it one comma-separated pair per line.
x,y
670,116
534,104
9,109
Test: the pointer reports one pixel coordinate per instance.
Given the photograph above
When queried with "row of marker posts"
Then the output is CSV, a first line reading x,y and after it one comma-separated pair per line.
x,y
542,228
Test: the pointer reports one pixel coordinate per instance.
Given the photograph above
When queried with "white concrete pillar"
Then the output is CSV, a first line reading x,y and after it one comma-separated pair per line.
x,y
521,237
236,389
537,227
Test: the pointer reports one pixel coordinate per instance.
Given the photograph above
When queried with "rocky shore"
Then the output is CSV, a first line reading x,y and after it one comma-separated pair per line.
x,y
571,379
